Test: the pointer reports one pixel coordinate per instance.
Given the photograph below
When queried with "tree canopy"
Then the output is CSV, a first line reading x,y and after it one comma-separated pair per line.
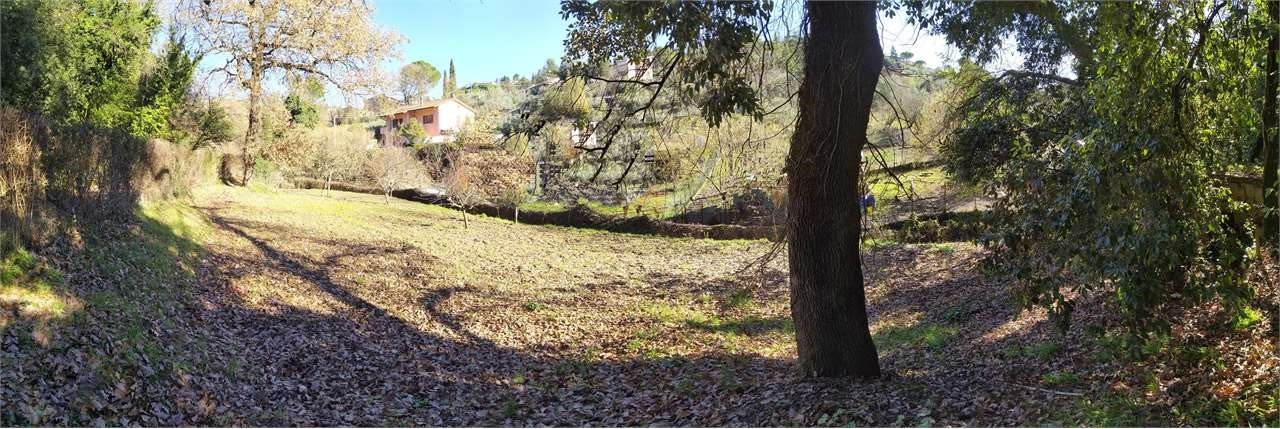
x,y
416,81
330,39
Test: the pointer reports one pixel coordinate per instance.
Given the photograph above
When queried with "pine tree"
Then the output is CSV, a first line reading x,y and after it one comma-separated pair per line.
x,y
444,85
451,81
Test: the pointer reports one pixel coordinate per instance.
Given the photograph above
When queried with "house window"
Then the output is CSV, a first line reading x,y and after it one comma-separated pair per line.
x,y
428,119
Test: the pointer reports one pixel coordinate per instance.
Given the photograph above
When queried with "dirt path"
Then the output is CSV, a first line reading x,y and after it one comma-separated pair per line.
x,y
342,309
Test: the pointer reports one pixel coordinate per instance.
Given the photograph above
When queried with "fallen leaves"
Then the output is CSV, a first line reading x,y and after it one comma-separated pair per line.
x,y
345,310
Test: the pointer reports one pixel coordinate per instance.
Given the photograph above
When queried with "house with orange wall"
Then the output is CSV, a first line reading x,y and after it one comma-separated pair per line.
x,y
440,118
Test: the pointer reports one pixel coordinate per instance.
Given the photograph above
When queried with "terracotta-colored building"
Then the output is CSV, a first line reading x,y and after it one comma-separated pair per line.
x,y
440,118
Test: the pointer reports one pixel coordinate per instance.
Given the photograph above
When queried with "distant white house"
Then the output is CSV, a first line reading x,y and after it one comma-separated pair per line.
x,y
627,70
442,119
584,137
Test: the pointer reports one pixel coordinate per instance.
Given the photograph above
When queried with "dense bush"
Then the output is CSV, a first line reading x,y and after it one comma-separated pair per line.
x,y
94,172
173,170
1107,182
75,62
22,180
89,173
950,226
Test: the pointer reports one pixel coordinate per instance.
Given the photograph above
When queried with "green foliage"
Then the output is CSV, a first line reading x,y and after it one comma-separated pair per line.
x,y
212,126
493,97
76,61
303,100
1059,378
1045,32
416,80
162,94
15,265
567,100
707,42
1246,318
739,298
413,132
1107,180
1110,410
928,335
301,112
450,81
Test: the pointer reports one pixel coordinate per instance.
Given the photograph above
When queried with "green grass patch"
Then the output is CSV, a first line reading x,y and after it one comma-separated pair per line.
x,y
32,288
875,243
16,264
739,298
1043,351
1246,318
642,342
924,182
157,263
1059,378
36,299
943,248
1108,411
654,206
748,325
541,207
927,335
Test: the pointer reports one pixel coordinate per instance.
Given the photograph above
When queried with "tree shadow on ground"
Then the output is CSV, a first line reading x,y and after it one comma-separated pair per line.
x,y
448,376
309,344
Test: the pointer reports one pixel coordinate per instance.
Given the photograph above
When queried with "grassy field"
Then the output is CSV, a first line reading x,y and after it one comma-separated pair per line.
x,y
268,307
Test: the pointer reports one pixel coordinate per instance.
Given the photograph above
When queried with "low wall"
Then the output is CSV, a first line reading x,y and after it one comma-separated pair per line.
x,y
1246,189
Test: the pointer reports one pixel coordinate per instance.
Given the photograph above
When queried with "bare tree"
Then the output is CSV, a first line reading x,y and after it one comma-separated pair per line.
x,y
333,39
462,191
336,159
392,168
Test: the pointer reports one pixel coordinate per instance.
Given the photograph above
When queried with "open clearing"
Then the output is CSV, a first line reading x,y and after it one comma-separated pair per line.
x,y
503,323
310,308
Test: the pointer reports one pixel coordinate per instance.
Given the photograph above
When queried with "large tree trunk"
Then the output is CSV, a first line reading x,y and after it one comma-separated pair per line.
x,y
828,303
252,134
1270,119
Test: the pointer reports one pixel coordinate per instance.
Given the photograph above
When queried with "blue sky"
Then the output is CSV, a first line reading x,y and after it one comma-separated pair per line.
x,y
488,39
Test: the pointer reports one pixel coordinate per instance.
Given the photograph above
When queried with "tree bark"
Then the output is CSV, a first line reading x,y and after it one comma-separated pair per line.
x,y
1270,120
828,303
257,72
252,133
